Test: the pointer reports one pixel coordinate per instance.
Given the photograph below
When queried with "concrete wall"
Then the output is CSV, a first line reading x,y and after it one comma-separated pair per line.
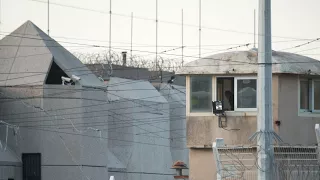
x,y
296,128
69,149
202,164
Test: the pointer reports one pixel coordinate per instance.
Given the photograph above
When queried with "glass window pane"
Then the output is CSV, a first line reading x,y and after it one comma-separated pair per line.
x,y
201,100
316,99
225,92
304,95
246,93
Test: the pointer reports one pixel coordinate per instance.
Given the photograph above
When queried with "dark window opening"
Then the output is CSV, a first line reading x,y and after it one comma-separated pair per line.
x,y
55,74
225,92
31,166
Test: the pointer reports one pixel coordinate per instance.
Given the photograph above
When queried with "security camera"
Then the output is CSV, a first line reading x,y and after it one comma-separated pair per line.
x,y
75,78
65,79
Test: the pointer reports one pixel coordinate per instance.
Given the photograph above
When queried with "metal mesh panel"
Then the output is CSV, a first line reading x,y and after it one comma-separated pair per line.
x,y
290,162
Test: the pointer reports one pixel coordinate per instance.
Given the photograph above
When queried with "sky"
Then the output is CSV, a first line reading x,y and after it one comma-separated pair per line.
x,y
225,24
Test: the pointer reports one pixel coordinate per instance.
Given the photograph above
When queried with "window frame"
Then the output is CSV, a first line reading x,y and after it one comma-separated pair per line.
x,y
236,93
310,95
190,94
216,88
309,98
313,96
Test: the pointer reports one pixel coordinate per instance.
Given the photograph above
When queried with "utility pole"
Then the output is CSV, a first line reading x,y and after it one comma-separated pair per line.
x,y
264,93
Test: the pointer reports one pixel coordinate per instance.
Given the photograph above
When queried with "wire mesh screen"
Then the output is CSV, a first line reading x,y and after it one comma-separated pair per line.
x,y
290,163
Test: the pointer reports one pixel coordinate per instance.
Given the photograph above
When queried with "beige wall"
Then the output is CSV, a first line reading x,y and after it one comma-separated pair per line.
x,y
203,129
295,128
202,165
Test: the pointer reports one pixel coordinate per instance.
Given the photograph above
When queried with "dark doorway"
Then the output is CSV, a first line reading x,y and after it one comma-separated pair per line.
x,y
31,166
55,74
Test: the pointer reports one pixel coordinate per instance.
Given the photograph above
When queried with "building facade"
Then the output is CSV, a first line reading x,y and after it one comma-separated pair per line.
x,y
232,78
60,121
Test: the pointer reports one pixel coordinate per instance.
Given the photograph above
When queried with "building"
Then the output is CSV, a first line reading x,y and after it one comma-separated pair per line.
x,y
59,121
43,117
231,78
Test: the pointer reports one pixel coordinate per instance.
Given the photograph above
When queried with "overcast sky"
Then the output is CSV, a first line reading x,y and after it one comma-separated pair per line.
x,y
291,19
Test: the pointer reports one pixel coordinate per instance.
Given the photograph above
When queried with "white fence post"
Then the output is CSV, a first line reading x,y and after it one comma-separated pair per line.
x,y
317,130
219,143
111,178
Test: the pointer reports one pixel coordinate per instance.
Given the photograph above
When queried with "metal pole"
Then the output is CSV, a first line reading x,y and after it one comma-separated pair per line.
x,y
48,17
264,93
156,35
131,35
0,18
199,29
254,28
110,12
182,47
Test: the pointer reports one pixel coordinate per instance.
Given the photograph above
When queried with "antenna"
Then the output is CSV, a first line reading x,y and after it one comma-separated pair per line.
x,y
199,29
254,28
0,16
48,17
110,12
156,35
182,36
131,35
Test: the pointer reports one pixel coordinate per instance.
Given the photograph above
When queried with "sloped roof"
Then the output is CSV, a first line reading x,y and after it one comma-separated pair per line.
x,y
245,62
27,54
119,88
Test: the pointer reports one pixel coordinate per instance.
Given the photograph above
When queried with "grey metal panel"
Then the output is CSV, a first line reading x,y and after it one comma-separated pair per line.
x,y
130,89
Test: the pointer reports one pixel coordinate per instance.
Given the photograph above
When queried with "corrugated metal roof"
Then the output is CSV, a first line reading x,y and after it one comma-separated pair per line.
x,y
245,62
26,56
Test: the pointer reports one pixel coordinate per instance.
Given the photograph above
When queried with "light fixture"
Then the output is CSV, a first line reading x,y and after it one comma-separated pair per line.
x,y
217,108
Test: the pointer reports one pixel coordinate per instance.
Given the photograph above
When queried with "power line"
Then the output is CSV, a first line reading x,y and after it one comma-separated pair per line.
x,y
99,104
300,45
114,139
88,135
167,22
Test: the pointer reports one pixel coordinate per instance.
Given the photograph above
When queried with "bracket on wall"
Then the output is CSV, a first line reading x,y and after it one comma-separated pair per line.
x,y
222,120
